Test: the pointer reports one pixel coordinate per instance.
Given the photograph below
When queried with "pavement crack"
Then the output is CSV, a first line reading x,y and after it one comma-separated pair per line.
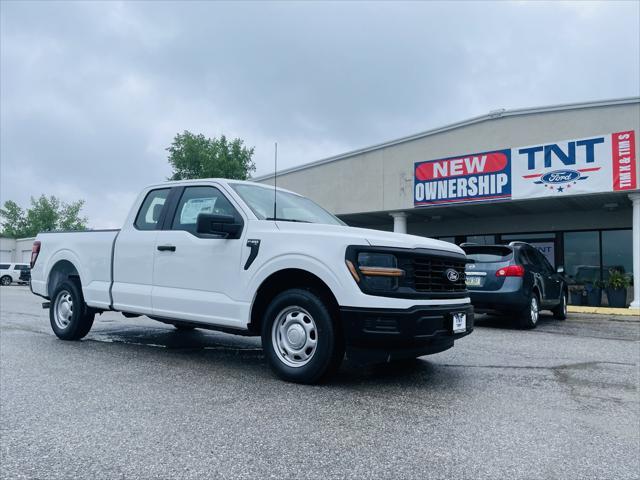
x,y
540,367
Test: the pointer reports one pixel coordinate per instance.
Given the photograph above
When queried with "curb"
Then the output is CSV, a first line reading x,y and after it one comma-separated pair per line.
x,y
627,312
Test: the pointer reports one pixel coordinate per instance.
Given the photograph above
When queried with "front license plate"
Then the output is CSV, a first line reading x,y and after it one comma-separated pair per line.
x,y
473,281
459,322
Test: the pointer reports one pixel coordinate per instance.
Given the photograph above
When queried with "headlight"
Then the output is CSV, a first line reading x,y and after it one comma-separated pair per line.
x,y
376,271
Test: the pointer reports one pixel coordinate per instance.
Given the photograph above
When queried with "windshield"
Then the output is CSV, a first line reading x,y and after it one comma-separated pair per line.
x,y
289,207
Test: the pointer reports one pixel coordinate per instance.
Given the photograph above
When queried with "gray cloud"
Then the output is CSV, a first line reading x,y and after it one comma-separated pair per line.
x,y
92,93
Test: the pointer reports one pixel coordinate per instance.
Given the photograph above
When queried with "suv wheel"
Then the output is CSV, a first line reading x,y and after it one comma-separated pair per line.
x,y
70,317
560,312
5,281
531,313
300,339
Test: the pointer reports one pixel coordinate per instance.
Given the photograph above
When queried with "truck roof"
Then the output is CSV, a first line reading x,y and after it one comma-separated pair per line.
x,y
227,181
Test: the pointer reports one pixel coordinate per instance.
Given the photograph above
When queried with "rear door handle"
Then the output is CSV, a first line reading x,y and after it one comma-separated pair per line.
x,y
167,248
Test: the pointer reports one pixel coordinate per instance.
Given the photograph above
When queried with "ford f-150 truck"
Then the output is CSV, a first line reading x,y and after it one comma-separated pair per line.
x,y
249,259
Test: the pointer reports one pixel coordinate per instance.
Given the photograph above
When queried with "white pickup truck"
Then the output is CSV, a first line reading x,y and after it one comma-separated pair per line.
x,y
218,254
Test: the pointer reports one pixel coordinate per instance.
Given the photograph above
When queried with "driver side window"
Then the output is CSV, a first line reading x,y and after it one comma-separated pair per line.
x,y
197,200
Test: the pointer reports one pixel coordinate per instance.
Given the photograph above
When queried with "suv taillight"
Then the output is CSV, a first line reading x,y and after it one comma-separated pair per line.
x,y
35,250
511,271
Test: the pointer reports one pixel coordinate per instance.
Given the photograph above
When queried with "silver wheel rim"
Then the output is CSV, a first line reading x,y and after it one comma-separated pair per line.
x,y
534,310
6,281
294,336
63,309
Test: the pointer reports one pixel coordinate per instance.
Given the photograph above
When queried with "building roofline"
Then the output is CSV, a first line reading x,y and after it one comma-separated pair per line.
x,y
492,115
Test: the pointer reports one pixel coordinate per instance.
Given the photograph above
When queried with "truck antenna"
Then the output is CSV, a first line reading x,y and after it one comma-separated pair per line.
x,y
275,181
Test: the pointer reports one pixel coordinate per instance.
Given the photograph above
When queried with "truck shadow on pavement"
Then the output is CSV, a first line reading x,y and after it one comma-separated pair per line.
x,y
208,350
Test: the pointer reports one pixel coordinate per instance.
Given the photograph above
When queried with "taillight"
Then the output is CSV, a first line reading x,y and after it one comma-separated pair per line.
x,y
35,250
511,271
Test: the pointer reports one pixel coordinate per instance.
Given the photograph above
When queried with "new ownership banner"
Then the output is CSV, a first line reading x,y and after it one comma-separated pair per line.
x,y
600,163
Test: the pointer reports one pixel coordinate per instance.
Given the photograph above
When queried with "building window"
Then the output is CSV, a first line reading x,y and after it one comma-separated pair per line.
x,y
448,239
617,251
582,257
481,239
525,237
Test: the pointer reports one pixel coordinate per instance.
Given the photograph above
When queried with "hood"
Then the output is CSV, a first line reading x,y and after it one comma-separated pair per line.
x,y
376,238
401,240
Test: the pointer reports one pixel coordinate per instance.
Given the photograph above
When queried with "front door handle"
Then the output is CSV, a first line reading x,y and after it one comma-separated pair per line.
x,y
167,248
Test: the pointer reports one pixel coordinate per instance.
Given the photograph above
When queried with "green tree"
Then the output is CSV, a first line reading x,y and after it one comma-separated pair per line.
x,y
13,219
195,156
44,214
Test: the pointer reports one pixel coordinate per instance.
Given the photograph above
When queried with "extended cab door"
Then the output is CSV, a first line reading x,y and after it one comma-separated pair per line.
x,y
197,276
134,253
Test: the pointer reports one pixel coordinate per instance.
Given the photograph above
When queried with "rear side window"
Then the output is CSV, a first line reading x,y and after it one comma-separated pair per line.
x,y
4,266
149,213
197,200
542,261
489,254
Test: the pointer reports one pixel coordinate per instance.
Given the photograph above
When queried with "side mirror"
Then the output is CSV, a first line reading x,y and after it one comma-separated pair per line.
x,y
560,269
223,225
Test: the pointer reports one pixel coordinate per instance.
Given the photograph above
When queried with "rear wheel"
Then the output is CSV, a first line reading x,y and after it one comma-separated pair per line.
x,y
300,339
531,313
70,317
560,312
6,281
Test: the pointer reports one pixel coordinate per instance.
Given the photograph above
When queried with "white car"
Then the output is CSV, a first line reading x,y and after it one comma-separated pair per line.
x,y
10,273
238,257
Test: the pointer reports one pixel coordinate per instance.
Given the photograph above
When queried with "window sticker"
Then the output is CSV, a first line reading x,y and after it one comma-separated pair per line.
x,y
194,207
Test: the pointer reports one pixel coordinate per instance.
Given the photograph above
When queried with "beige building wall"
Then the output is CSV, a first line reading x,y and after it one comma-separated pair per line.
x,y
381,179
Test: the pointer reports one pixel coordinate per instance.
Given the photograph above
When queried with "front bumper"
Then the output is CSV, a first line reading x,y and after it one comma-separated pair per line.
x,y
391,333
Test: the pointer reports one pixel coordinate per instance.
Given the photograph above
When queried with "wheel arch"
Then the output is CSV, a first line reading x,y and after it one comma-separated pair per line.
x,y
537,291
62,270
286,279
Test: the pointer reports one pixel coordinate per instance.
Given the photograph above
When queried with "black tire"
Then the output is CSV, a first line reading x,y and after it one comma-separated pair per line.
x,y
183,328
560,312
80,317
304,311
527,319
6,280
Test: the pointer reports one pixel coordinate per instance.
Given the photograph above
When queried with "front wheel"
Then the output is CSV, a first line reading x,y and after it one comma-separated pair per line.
x,y
70,317
301,342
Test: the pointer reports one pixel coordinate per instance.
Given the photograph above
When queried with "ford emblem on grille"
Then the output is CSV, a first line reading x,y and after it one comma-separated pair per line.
x,y
452,275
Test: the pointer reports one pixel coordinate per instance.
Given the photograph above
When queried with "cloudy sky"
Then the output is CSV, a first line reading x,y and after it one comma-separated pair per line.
x,y
92,93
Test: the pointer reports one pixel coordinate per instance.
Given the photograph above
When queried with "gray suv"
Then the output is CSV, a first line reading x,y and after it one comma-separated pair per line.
x,y
514,279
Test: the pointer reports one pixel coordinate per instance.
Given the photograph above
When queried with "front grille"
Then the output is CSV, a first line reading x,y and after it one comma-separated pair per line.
x,y
429,274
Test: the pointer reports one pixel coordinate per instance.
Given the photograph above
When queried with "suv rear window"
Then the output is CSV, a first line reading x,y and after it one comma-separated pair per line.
x,y
4,266
482,254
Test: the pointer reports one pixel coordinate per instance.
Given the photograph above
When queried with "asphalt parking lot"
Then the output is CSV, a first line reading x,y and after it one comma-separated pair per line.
x,y
137,399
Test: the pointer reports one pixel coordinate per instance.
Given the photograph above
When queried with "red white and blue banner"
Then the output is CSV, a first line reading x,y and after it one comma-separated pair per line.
x,y
599,163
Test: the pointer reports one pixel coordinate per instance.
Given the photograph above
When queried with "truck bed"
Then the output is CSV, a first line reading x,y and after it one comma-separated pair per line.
x,y
92,252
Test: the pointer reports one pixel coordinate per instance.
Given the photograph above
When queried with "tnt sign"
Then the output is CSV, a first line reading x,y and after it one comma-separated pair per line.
x,y
601,163
597,163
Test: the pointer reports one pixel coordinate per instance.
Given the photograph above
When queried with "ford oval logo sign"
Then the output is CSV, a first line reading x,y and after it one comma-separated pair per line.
x,y
452,275
560,176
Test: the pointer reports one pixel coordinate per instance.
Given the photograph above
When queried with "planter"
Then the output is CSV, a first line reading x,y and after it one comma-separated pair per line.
x,y
617,298
594,297
577,298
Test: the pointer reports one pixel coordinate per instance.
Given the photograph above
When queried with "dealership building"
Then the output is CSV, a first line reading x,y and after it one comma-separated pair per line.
x,y
563,178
